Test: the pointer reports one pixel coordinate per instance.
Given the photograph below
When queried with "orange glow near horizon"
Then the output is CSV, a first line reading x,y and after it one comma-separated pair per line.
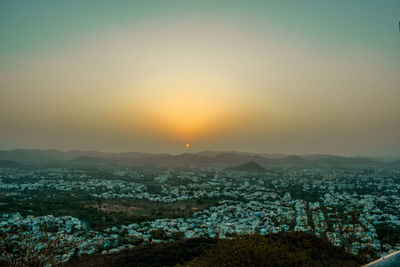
x,y
186,109
219,83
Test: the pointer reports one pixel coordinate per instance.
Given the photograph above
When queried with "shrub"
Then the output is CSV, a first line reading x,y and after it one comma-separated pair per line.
x,y
248,250
18,249
177,235
158,234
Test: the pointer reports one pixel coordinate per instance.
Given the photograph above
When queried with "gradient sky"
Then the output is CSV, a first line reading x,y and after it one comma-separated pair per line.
x,y
262,76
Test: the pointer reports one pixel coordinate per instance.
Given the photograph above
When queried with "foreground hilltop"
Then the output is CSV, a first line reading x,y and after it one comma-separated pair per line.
x,y
280,249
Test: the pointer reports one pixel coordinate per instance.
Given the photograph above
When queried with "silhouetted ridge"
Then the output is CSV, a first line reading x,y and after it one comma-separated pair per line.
x,y
201,159
250,166
91,160
395,164
297,160
10,164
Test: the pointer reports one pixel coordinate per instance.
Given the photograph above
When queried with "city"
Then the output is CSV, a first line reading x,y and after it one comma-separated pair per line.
x,y
212,133
106,210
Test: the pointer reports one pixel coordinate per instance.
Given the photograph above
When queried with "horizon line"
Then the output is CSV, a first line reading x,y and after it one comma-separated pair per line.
x,y
201,151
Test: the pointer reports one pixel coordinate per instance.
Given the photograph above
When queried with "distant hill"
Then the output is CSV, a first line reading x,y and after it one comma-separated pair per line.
x,y
10,164
219,159
37,156
273,155
233,159
33,156
338,160
211,153
91,160
291,160
394,164
250,166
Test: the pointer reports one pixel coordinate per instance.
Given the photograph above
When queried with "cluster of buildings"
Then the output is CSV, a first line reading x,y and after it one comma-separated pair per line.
x,y
315,200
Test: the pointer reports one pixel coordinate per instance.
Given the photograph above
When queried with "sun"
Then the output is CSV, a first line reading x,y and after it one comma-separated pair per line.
x,y
187,145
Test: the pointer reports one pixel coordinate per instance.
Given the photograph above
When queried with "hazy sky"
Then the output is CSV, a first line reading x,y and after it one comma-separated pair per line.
x,y
261,76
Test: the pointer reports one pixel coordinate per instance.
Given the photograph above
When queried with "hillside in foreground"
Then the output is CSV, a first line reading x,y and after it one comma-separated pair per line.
x,y
281,249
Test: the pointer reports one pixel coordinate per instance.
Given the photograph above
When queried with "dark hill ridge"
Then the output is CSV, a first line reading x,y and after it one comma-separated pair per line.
x,y
226,160
10,164
394,164
338,160
201,159
280,249
250,166
293,160
233,159
92,160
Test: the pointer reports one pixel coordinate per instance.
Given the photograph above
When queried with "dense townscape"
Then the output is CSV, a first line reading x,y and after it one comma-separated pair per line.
x,y
106,210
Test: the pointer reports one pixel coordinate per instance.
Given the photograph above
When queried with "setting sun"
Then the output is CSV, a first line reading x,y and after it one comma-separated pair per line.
x,y
293,112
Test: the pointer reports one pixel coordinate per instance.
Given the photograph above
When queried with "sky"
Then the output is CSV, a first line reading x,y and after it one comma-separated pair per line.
x,y
296,77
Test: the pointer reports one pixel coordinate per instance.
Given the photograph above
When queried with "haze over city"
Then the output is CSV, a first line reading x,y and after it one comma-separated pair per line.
x,y
262,76
199,133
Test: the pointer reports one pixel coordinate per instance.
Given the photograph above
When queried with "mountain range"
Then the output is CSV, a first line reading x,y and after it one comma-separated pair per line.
x,y
221,159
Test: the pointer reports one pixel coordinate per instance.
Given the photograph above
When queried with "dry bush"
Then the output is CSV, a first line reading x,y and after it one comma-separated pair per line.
x,y
279,249
248,250
26,249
